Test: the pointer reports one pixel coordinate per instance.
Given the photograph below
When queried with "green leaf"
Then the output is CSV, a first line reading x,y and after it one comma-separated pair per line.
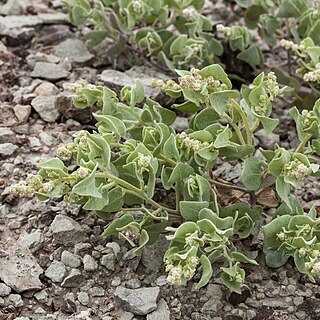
x,y
55,165
190,209
87,187
251,173
252,16
240,257
253,56
180,172
219,100
78,15
170,149
283,190
143,240
232,285
205,118
206,272
97,203
115,200
217,72
186,107
268,124
184,229
118,223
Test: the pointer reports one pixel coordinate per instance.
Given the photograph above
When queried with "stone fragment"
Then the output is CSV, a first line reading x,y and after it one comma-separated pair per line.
x,y
267,141
67,231
16,22
42,296
6,135
22,112
161,313
45,108
83,298
56,271
19,270
13,7
152,255
49,71
138,301
7,149
117,79
89,264
46,89
73,49
70,259
73,280
15,300
4,290
33,241
109,261
64,105
97,292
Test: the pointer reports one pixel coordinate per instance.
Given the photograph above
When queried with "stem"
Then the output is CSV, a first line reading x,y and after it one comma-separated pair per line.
x,y
137,192
177,189
244,120
226,185
166,160
303,142
236,129
255,125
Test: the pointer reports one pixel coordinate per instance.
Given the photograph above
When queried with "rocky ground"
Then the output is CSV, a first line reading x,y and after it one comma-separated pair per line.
x,y
54,263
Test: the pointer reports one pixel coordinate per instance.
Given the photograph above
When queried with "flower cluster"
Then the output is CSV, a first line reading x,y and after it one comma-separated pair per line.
x,y
190,143
313,76
290,45
183,271
297,169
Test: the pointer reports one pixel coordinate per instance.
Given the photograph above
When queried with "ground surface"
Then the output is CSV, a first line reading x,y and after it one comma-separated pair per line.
x,y
54,263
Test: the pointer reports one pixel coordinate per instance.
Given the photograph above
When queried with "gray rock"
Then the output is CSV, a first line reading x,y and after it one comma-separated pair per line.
x,y
73,280
45,108
56,271
22,318
211,307
33,241
53,18
65,106
97,292
15,300
42,296
161,313
83,298
4,290
7,149
13,7
19,270
267,141
70,259
152,255
117,79
49,71
138,301
114,246
109,261
6,135
46,138
12,22
46,89
22,112
89,264
73,49
66,231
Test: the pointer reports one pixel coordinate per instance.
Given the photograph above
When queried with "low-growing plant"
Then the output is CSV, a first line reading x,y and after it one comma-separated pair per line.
x,y
147,179
173,31
296,23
